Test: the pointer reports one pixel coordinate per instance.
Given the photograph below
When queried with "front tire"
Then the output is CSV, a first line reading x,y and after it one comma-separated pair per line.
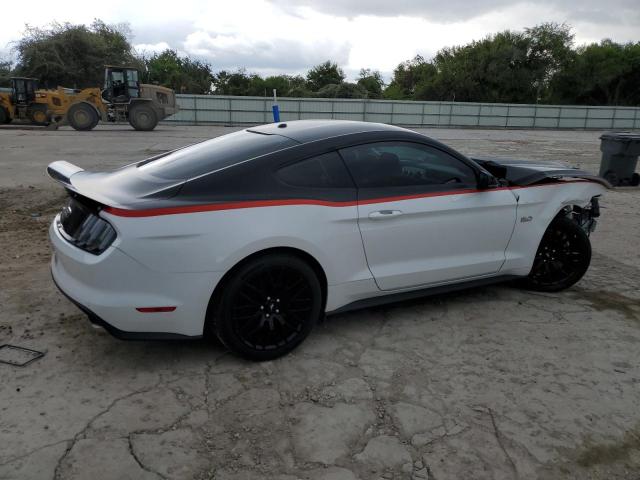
x,y
82,117
268,307
563,257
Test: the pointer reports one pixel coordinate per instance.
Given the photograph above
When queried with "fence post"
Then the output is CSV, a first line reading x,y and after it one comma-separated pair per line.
x,y
393,107
586,117
613,118
506,119
422,118
559,117
535,115
195,110
264,110
635,118
364,109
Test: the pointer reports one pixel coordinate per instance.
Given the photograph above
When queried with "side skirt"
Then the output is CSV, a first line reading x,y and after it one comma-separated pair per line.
x,y
423,292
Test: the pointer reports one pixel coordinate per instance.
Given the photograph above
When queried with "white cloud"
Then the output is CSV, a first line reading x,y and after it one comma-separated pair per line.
x,y
151,48
289,36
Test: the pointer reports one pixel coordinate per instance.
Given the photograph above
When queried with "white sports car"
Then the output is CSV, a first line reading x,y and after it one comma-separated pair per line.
x,y
255,235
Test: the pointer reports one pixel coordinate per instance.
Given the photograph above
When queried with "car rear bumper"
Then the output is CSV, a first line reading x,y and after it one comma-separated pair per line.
x,y
110,288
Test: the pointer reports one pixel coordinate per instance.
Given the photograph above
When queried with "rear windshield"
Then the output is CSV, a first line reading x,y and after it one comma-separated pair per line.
x,y
214,154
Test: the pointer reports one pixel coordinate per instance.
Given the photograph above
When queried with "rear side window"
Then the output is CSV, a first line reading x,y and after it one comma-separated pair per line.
x,y
323,171
214,154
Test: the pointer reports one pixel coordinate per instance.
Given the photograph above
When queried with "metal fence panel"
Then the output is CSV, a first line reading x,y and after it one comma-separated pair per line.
x,y
229,110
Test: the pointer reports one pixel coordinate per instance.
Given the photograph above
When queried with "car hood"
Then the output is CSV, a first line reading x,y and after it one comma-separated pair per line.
x,y
528,172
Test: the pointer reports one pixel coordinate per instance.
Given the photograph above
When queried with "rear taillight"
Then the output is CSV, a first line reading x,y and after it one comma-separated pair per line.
x,y
81,226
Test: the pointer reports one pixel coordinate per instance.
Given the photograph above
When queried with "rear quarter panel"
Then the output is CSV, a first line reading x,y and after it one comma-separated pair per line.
x,y
218,240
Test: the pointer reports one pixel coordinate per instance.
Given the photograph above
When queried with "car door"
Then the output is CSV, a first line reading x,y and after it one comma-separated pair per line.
x,y
422,218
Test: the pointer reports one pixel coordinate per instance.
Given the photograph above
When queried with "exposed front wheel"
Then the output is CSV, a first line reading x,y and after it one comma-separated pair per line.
x,y
268,307
562,258
82,116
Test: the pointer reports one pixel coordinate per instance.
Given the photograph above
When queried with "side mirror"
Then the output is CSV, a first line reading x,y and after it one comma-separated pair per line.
x,y
486,180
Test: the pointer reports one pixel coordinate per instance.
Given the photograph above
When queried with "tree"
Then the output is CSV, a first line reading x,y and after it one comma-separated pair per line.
x,y
604,73
5,73
549,51
182,74
409,77
372,82
506,67
342,90
326,73
494,69
73,55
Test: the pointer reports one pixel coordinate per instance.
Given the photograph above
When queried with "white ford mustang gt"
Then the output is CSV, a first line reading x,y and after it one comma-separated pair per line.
x,y
253,236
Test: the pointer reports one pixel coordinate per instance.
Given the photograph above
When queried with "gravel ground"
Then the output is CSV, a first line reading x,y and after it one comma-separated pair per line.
x,y
488,383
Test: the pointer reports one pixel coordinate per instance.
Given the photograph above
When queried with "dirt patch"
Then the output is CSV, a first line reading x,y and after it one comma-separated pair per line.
x,y
602,300
607,453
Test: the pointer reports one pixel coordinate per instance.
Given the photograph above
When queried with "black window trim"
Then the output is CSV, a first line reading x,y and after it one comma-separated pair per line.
x,y
287,163
473,166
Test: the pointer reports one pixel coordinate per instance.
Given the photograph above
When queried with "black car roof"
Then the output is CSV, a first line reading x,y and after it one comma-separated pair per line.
x,y
305,131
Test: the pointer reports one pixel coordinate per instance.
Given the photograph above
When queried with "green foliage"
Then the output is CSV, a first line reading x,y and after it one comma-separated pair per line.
x,y
73,55
372,82
182,74
604,73
506,67
326,73
409,76
5,73
342,90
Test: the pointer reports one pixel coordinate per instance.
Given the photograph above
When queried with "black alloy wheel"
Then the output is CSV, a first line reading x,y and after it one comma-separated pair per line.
x,y
562,258
268,306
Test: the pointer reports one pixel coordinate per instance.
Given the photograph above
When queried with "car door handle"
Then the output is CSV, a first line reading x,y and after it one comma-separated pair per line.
x,y
382,214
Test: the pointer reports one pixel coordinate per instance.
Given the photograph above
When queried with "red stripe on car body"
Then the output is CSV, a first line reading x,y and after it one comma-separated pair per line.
x,y
155,212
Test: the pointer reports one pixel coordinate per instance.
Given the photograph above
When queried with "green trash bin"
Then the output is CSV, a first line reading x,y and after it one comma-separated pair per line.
x,y
620,152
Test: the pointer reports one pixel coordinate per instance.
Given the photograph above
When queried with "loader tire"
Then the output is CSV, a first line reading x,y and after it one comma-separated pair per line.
x,y
4,116
39,116
82,116
143,117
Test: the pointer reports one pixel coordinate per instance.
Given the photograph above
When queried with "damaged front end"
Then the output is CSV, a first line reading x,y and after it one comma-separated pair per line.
x,y
524,173
585,216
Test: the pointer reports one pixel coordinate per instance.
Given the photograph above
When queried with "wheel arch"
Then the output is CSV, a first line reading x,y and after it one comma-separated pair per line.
x,y
306,256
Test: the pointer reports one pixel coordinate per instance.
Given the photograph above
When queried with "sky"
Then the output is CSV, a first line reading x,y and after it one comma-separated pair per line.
x,y
290,36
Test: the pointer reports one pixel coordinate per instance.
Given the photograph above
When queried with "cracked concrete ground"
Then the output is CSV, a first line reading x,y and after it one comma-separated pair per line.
x,y
490,383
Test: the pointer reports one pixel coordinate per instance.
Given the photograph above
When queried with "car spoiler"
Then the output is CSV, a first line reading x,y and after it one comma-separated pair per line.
x,y
62,172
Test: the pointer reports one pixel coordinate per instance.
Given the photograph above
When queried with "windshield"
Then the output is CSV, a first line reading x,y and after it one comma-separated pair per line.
x,y
214,154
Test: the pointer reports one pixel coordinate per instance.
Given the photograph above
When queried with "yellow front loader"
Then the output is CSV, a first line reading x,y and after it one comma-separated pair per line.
x,y
123,98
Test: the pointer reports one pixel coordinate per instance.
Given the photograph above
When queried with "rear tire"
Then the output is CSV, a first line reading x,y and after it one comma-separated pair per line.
x,y
563,257
143,117
268,307
38,115
82,117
